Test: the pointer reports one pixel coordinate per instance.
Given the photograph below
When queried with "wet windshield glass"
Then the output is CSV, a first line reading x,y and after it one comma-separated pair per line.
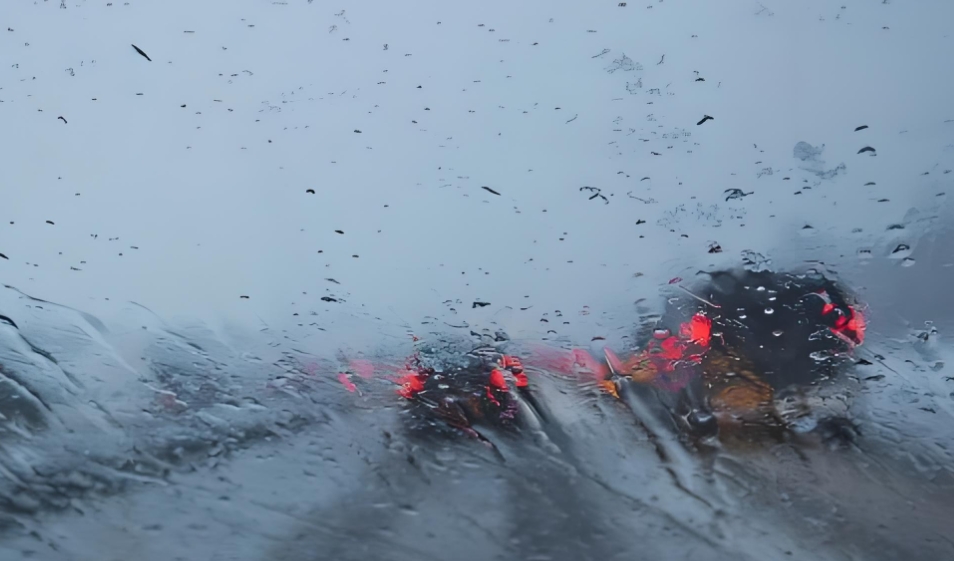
x,y
497,280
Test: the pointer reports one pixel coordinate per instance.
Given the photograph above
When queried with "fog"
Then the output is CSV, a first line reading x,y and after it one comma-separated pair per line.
x,y
262,178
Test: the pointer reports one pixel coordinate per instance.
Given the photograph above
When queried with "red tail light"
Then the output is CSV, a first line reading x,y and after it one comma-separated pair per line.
x,y
697,330
411,383
497,380
851,327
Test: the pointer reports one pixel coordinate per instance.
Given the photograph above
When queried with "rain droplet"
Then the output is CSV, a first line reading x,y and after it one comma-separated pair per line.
x,y
778,332
743,316
760,289
661,333
907,262
769,311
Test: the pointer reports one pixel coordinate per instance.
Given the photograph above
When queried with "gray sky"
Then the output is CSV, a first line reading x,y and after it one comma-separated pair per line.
x,y
214,194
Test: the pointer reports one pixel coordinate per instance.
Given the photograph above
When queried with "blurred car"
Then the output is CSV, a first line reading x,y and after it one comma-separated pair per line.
x,y
730,346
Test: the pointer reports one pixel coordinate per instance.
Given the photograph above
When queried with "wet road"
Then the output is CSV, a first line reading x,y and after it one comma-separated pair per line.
x,y
162,443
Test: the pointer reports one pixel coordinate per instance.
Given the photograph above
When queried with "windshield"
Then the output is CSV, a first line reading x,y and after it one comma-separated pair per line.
x,y
496,280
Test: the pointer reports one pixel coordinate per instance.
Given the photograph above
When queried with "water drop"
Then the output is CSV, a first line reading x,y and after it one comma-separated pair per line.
x,y
769,311
661,333
819,356
760,289
778,332
804,424
907,262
